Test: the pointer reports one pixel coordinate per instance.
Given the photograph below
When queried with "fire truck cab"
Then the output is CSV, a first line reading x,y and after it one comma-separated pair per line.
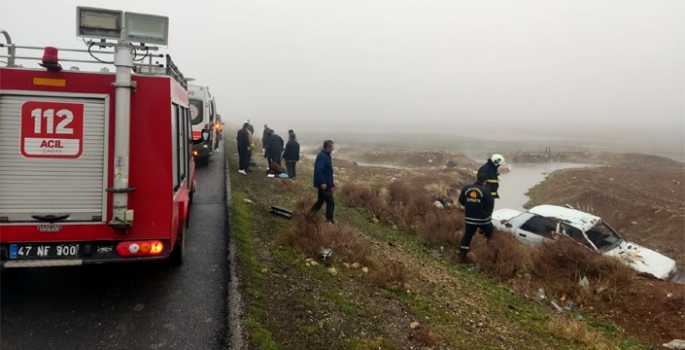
x,y
203,117
95,167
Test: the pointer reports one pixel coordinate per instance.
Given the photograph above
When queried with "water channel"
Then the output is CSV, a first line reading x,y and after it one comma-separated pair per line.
x,y
522,177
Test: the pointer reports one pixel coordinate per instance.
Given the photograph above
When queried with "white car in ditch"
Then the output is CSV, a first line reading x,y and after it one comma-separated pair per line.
x,y
545,221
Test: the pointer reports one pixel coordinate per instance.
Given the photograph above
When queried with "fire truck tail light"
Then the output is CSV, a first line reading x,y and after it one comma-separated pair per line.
x,y
140,248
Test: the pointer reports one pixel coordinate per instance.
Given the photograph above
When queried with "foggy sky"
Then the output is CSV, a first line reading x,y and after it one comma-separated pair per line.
x,y
468,67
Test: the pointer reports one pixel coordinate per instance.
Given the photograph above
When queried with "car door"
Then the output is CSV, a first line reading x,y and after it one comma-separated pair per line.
x,y
536,230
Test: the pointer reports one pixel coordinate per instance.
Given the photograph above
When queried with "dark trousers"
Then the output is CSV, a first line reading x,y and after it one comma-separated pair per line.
x,y
243,159
291,167
274,159
469,231
325,196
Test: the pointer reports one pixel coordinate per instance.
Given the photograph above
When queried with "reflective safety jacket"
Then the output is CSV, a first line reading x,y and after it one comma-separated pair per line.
x,y
478,204
493,180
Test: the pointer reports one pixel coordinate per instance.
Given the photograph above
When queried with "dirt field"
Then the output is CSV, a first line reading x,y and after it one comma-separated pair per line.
x,y
293,305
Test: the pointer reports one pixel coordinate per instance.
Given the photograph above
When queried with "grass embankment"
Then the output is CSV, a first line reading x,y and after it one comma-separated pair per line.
x,y
377,283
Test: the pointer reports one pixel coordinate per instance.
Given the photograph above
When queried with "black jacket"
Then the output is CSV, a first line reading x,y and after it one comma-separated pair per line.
x,y
493,180
243,140
292,151
478,204
274,146
265,137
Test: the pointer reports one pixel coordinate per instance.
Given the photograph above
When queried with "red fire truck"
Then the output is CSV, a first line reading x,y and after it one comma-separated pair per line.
x,y
82,152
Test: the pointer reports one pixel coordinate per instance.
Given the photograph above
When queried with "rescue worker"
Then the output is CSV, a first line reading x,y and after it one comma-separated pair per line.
x,y
323,181
490,169
243,139
478,204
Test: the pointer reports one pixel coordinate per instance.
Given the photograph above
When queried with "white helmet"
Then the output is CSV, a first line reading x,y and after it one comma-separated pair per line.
x,y
498,159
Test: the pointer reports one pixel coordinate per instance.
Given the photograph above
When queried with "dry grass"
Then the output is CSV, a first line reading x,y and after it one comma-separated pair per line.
x,y
557,266
441,228
310,233
425,336
390,274
407,207
576,331
503,256
563,262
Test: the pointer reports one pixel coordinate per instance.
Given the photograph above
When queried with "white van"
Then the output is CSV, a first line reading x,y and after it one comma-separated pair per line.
x,y
203,118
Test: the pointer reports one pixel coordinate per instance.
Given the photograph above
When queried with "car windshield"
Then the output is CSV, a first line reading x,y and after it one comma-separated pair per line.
x,y
196,111
576,234
603,237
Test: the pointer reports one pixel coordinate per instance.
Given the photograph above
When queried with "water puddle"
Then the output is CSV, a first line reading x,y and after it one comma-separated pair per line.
x,y
522,177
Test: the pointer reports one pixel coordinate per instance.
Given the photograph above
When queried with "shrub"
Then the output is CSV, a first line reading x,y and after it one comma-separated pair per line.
x,y
503,256
390,273
309,234
440,228
563,262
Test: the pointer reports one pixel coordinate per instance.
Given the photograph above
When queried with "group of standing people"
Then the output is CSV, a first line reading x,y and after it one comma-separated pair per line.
x,y
274,149
477,199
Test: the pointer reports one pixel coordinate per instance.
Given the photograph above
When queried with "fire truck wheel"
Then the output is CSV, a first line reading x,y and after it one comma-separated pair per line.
x,y
203,160
178,253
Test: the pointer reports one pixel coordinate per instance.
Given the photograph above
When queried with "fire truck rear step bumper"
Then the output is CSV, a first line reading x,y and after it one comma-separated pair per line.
x,y
75,262
42,263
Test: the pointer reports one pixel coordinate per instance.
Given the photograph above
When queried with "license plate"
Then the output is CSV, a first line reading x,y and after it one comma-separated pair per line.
x,y
43,250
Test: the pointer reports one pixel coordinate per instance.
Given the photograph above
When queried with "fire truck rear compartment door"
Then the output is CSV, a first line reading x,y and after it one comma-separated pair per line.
x,y
40,186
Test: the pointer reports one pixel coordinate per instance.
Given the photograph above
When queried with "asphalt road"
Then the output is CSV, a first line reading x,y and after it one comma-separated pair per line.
x,y
130,306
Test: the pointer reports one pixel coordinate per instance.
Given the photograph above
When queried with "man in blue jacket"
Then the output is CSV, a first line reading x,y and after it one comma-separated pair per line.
x,y
323,180
478,204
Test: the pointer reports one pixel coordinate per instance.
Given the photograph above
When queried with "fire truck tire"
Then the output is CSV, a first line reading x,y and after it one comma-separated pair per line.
x,y
178,254
203,160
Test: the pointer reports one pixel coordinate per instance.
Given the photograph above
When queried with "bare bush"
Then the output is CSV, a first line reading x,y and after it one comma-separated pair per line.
x,y
440,228
390,273
309,234
503,256
563,262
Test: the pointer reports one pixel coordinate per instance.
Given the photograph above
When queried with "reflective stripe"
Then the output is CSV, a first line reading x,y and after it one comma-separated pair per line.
x,y
462,247
493,193
493,181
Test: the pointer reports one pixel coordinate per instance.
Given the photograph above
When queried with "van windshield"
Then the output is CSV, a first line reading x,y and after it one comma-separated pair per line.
x,y
196,111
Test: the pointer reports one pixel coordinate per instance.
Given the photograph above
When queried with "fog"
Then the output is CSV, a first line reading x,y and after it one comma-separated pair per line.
x,y
607,70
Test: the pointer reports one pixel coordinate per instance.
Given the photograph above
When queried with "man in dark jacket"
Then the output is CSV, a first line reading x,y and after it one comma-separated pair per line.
x,y
323,180
265,136
291,155
243,149
490,169
478,205
274,148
